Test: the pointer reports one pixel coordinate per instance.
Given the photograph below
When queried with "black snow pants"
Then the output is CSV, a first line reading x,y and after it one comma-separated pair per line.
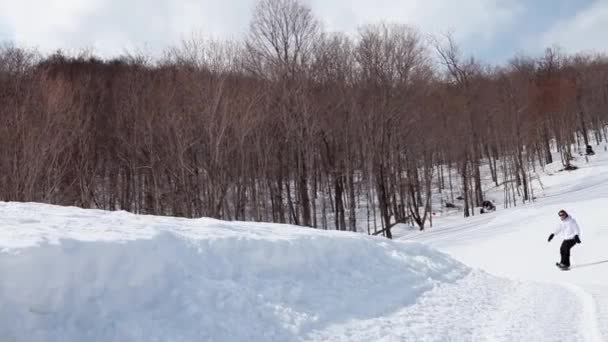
x,y
564,250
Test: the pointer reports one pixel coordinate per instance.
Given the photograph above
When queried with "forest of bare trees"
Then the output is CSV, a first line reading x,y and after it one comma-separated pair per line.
x,y
292,124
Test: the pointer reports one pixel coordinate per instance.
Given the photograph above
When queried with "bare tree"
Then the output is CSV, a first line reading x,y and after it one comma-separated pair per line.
x,y
292,125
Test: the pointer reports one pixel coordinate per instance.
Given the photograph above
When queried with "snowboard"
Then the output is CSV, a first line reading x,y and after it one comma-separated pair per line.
x,y
562,268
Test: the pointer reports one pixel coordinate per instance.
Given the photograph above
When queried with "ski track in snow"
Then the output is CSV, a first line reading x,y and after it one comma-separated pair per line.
x,y
590,317
477,308
600,297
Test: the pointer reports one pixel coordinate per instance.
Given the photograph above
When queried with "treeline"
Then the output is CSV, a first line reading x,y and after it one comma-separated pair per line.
x,y
291,125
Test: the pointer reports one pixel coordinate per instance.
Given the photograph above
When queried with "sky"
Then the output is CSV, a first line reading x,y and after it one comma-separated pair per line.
x,y
490,30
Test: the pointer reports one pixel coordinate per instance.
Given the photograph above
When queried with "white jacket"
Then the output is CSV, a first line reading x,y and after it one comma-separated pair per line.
x,y
568,228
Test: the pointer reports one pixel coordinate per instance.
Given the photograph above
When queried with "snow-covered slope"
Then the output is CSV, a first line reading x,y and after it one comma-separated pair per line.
x,y
513,243
69,274
81,275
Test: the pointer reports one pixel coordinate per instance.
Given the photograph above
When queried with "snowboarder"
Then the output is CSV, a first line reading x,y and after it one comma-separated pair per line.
x,y
570,232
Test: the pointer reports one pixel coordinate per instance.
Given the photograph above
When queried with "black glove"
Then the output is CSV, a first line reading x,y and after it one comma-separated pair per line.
x,y
550,238
577,239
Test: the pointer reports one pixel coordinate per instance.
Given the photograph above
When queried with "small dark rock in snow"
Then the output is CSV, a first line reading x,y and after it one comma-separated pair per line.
x,y
570,168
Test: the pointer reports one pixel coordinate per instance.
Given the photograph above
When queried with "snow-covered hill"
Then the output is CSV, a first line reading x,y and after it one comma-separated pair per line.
x,y
72,275
68,274
81,275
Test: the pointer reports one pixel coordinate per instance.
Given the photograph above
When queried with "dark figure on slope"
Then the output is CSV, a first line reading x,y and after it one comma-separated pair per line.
x,y
570,232
487,207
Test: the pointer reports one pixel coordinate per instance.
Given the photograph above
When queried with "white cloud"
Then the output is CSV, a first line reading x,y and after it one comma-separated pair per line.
x,y
585,31
47,21
469,19
111,26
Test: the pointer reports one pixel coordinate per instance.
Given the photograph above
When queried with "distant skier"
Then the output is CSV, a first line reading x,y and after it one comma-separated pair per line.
x,y
570,232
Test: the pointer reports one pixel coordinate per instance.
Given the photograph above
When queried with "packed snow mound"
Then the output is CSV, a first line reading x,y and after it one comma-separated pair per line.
x,y
70,274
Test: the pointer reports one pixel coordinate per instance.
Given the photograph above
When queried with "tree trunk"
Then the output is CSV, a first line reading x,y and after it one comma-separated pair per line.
x,y
547,146
465,186
303,191
383,201
352,218
339,203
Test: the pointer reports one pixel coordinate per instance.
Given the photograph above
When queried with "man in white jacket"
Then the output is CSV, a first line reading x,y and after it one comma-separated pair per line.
x,y
570,232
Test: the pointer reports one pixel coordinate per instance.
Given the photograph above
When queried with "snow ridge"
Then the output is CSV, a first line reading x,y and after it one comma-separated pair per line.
x,y
187,280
